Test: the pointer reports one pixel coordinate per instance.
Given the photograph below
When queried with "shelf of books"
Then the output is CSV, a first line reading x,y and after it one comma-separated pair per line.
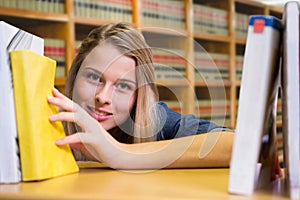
x,y
198,45
213,54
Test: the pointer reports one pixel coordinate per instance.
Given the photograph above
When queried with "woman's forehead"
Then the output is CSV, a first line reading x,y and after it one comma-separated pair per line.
x,y
106,59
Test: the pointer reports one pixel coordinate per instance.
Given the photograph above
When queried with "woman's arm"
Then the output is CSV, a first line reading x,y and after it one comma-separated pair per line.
x,y
204,150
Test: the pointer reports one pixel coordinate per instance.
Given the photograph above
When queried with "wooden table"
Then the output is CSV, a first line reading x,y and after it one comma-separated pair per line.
x,y
101,182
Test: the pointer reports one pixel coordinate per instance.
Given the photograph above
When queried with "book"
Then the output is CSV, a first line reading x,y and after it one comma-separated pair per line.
x,y
40,157
164,13
256,164
210,20
291,99
11,38
55,49
51,6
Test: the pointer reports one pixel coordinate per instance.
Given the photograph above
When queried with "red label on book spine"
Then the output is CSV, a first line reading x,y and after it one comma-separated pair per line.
x,y
259,26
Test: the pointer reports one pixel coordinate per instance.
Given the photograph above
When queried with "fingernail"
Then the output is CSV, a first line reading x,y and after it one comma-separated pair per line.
x,y
55,90
49,97
59,142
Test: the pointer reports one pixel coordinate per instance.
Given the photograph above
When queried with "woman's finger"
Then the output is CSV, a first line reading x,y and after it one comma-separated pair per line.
x,y
58,94
69,117
62,103
75,141
70,139
61,100
62,116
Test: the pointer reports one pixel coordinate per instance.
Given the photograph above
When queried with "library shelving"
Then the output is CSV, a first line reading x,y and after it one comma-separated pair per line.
x,y
198,45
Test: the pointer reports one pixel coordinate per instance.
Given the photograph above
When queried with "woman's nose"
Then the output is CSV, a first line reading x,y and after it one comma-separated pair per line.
x,y
103,95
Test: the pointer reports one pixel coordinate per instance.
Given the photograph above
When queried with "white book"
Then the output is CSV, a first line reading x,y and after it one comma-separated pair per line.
x,y
291,98
11,38
257,104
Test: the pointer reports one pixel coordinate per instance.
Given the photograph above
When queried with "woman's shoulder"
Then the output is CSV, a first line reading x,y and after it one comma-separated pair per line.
x,y
179,125
161,103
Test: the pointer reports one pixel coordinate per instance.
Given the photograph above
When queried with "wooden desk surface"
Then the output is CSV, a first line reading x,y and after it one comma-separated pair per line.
x,y
105,183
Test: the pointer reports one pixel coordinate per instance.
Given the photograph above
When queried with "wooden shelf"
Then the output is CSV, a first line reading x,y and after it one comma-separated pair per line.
x,y
275,9
91,21
173,83
210,37
213,83
240,41
60,81
33,15
163,31
251,3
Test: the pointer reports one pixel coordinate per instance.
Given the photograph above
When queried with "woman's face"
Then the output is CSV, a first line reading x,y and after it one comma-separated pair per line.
x,y
105,85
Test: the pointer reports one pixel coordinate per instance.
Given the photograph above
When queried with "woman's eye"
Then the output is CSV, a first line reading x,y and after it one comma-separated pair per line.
x,y
124,86
93,77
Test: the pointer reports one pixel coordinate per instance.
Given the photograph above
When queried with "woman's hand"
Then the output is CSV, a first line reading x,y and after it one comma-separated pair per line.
x,y
72,112
204,150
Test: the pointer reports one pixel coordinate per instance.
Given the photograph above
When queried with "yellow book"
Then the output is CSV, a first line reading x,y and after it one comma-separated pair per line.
x,y
33,79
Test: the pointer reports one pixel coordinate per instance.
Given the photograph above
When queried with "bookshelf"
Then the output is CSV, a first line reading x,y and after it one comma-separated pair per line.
x,y
189,34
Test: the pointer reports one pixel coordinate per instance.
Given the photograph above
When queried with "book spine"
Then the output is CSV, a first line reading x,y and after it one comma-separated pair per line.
x,y
239,66
291,98
11,38
169,64
262,48
241,21
211,66
55,49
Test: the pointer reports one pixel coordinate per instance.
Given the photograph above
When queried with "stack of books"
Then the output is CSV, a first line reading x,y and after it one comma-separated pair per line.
x,y
215,110
50,6
27,147
211,66
210,20
110,10
241,27
55,49
164,13
169,64
271,65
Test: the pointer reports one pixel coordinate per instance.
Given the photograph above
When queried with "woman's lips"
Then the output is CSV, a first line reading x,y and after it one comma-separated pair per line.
x,y
99,114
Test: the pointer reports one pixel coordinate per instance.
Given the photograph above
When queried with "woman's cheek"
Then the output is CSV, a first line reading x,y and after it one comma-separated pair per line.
x,y
83,93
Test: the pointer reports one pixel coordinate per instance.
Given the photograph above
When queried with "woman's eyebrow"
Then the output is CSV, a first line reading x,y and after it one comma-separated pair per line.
x,y
96,71
127,80
93,69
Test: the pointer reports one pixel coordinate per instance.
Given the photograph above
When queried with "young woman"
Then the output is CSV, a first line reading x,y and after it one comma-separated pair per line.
x,y
112,112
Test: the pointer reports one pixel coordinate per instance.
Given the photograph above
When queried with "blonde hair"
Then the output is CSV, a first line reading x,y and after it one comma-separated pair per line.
x,y
129,42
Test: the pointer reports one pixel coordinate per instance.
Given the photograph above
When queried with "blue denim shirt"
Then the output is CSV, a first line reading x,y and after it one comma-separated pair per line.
x,y
176,125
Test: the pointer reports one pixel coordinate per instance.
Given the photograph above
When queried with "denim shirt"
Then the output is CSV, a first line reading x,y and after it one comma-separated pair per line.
x,y
176,125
